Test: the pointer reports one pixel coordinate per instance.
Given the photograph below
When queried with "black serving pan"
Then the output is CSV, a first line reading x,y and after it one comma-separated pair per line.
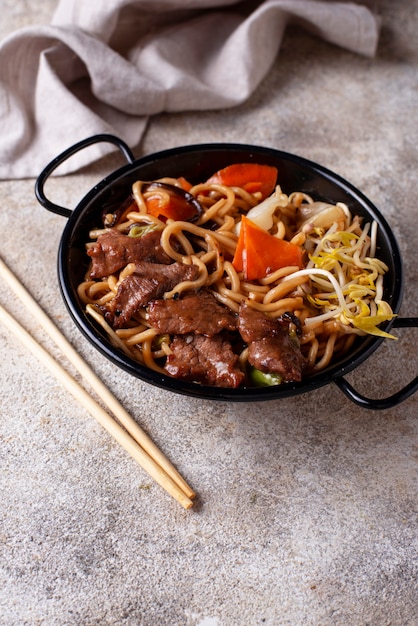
x,y
197,163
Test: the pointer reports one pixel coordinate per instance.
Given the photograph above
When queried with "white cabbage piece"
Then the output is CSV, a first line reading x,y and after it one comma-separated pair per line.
x,y
262,214
321,214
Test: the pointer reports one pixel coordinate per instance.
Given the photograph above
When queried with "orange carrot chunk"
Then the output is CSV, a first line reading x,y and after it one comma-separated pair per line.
x,y
249,176
258,253
185,184
172,206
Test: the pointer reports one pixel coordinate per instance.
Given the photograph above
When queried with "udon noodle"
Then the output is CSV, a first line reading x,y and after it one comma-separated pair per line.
x,y
337,295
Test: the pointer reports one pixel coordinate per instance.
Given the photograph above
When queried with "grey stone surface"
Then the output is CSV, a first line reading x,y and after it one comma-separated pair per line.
x,y
307,508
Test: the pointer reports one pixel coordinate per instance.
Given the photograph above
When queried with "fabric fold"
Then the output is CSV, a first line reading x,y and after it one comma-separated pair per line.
x,y
105,67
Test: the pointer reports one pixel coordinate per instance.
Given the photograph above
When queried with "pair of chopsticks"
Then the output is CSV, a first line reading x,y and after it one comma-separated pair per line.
x,y
123,429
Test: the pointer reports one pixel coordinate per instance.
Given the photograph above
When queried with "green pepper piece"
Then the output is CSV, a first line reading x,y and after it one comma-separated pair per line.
x,y
264,379
159,340
140,231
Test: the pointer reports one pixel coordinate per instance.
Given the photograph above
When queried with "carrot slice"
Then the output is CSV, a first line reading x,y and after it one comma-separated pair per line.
x,y
175,208
237,261
258,253
250,176
184,183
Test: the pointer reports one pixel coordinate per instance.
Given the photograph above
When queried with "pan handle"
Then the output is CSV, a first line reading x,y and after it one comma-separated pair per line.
x,y
390,401
47,171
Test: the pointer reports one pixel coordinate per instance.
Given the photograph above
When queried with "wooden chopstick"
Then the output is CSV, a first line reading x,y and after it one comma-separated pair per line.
x,y
135,440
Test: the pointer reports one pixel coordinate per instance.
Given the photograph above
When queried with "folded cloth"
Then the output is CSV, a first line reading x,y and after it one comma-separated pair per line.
x,y
106,66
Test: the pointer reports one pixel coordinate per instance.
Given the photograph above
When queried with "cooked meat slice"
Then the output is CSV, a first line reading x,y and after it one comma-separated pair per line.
x,y
113,250
277,355
270,347
255,325
207,360
149,282
197,312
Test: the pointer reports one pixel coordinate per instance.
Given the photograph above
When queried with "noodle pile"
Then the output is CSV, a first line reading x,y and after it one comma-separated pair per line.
x,y
337,295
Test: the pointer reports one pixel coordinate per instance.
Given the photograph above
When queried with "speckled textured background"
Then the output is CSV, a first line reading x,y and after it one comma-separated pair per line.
x,y
307,509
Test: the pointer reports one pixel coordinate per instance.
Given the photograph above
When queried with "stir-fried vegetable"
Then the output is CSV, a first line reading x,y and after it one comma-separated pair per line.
x,y
354,296
262,213
258,253
321,215
140,231
264,379
253,177
171,202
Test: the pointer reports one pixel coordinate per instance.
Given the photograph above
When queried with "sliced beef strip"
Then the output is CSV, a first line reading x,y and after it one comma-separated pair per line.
x,y
148,282
270,348
113,250
206,360
197,312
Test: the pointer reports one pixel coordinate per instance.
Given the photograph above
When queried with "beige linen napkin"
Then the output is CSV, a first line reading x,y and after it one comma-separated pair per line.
x,y
106,66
